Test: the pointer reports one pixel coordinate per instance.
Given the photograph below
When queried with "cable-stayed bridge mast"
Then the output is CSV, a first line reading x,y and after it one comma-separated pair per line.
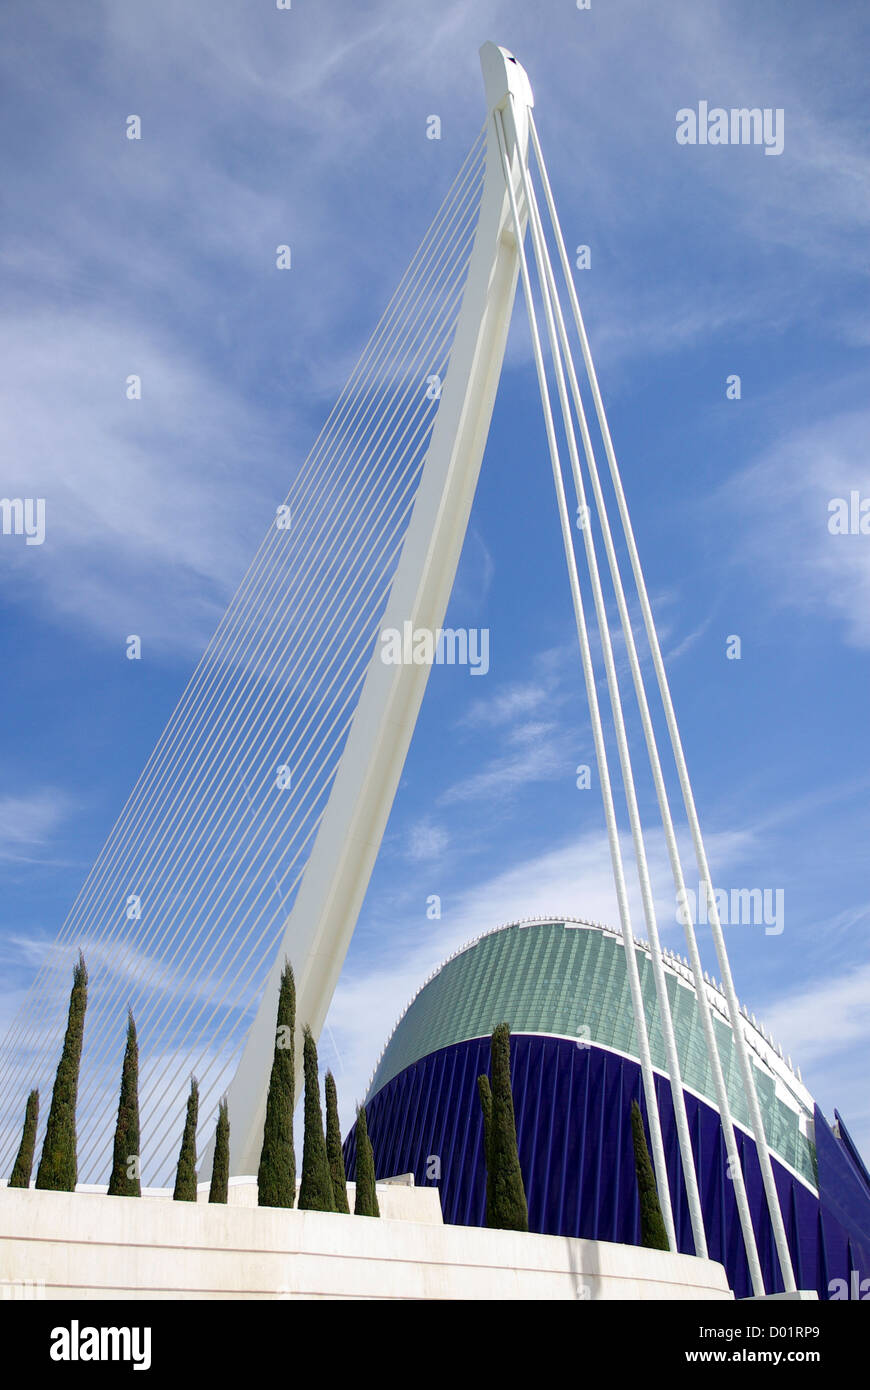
x,y
252,833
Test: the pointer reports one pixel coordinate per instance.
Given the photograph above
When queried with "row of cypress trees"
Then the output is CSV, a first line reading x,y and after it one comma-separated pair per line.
x,y
323,1186
58,1166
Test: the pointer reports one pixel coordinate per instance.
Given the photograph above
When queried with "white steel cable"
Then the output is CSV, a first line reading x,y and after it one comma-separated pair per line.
x,y
291,756
164,963
234,934
391,308
163,957
551,305
271,533
131,886
198,1029
597,728
191,887
721,1090
768,1180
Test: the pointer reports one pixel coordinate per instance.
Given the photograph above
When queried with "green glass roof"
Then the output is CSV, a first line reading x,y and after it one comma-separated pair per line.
x,y
572,981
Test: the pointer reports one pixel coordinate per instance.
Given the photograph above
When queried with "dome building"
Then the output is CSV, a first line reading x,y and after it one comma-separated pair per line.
x,y
562,985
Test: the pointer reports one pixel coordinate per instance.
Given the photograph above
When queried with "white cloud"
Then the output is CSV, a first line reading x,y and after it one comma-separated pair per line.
x,y
427,841
27,823
143,530
506,705
154,230
780,506
505,775
825,1026
686,643
828,1017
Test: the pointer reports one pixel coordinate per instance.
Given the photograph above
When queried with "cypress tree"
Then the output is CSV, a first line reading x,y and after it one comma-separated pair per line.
x,y
58,1170
506,1208
276,1176
366,1203
220,1169
315,1189
652,1226
23,1166
485,1093
126,1151
333,1146
185,1174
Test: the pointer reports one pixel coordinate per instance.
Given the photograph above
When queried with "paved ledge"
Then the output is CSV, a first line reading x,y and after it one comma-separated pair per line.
x,y
86,1245
398,1198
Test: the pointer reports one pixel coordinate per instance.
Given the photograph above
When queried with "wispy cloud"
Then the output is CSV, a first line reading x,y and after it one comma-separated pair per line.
x,y
830,1017
504,775
426,841
782,502
28,823
168,250
142,533
826,1028
506,705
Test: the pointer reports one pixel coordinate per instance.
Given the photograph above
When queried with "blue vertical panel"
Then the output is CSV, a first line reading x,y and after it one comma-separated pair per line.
x,y
572,1106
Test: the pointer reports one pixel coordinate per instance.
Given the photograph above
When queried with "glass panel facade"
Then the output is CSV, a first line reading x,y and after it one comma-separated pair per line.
x,y
547,977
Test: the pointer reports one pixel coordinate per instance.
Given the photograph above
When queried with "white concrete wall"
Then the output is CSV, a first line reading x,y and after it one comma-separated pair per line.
x,y
85,1245
398,1198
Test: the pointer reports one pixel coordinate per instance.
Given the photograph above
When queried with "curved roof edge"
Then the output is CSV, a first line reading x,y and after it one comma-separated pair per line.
x,y
768,1052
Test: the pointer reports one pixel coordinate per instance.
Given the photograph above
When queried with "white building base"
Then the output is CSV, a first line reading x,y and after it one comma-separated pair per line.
x,y
398,1198
85,1245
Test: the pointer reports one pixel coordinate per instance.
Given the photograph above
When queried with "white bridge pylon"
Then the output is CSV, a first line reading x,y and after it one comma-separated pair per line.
x,y
234,877
341,862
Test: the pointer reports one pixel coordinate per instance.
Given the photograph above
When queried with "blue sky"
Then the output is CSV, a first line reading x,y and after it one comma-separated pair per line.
x,y
157,257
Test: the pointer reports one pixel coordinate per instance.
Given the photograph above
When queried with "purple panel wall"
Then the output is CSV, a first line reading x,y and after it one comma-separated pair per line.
x,y
572,1108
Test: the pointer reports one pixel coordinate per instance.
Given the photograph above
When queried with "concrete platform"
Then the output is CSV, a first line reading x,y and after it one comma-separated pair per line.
x,y
85,1245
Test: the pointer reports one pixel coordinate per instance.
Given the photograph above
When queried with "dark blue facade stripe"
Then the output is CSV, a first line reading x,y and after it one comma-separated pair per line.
x,y
851,1151
572,1106
847,1189
568,1085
